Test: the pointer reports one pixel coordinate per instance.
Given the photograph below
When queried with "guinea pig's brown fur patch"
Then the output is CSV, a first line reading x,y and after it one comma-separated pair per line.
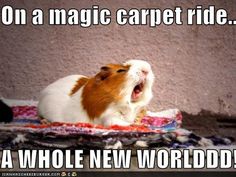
x,y
79,83
104,89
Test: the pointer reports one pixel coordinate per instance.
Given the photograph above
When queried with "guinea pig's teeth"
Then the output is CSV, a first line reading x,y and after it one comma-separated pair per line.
x,y
142,85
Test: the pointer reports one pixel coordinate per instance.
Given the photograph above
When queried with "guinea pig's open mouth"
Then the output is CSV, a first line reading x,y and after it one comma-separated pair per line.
x,y
137,92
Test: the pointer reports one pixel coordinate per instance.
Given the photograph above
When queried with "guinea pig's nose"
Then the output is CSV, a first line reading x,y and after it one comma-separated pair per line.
x,y
145,72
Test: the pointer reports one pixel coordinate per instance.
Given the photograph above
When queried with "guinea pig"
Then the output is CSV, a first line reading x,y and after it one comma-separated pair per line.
x,y
115,95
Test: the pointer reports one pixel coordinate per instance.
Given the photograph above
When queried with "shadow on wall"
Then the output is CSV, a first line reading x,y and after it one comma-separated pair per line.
x,y
207,123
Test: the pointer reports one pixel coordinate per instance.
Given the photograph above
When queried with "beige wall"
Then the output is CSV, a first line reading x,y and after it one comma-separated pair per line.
x,y
195,66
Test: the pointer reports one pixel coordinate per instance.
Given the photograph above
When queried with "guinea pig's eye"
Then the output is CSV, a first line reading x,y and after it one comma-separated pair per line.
x,y
121,70
105,68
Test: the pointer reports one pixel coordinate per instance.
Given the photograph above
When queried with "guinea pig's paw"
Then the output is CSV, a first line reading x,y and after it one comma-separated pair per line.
x,y
115,121
44,121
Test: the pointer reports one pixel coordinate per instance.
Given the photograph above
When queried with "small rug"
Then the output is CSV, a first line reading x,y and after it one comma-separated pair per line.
x,y
156,130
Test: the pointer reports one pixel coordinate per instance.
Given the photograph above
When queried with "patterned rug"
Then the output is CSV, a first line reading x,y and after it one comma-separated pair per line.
x,y
161,129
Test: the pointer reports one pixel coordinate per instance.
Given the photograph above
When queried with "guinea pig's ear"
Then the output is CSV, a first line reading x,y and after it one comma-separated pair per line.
x,y
104,73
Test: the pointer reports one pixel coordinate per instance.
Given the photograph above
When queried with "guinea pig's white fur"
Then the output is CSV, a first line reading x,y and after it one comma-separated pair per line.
x,y
57,105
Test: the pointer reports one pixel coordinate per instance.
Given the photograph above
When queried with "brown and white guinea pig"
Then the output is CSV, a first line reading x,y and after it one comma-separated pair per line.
x,y
115,95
